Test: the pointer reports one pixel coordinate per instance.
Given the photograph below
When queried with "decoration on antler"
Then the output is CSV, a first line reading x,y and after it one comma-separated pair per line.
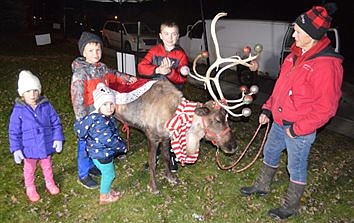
x,y
246,97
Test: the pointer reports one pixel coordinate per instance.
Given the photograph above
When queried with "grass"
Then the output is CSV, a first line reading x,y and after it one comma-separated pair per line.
x,y
205,191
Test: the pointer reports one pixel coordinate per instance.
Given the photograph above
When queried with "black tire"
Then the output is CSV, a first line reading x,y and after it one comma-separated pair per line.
x,y
246,77
105,42
127,47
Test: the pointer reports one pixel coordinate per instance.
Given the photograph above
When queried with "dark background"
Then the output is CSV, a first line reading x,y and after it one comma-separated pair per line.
x,y
82,14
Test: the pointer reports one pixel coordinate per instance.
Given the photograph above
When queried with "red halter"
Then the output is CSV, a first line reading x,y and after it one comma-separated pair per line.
x,y
215,137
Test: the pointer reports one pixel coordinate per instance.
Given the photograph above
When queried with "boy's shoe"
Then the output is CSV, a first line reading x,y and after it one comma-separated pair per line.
x,y
53,189
173,164
122,157
32,194
94,171
88,182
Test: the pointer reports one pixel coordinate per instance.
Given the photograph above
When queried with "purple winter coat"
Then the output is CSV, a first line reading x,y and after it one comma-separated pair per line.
x,y
34,131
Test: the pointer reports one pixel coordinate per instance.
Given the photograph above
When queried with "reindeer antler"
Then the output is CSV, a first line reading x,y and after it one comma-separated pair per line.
x,y
246,98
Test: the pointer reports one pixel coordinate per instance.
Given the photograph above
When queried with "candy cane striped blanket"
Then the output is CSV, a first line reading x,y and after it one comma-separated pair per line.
x,y
178,126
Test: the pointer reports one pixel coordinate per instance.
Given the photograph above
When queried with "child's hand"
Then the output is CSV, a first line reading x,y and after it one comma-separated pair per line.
x,y
254,65
132,80
166,62
18,156
184,70
165,67
58,145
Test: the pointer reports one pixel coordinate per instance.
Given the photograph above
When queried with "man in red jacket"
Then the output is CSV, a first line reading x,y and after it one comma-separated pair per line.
x,y
304,98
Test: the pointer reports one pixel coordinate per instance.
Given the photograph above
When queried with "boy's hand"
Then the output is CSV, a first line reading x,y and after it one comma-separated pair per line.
x,y
132,80
165,67
254,65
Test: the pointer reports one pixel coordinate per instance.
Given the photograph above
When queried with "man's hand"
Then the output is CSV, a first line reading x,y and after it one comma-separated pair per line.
x,y
263,119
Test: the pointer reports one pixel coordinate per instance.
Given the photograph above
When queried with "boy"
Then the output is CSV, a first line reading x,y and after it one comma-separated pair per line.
x,y
166,60
88,71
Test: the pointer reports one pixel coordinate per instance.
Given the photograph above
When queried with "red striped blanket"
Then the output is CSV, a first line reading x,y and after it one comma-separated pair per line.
x,y
178,126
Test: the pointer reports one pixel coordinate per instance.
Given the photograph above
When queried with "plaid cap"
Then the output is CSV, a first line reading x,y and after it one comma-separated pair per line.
x,y
315,22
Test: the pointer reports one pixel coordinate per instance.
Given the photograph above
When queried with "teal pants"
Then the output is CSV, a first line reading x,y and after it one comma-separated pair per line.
x,y
107,177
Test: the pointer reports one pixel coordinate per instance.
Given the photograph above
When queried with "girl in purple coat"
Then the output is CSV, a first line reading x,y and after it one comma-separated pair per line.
x,y
103,142
35,133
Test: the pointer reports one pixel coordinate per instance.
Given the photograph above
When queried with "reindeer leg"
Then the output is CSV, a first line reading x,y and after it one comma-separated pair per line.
x,y
165,146
152,148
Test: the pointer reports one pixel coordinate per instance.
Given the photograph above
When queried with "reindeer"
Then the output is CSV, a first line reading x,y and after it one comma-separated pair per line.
x,y
151,111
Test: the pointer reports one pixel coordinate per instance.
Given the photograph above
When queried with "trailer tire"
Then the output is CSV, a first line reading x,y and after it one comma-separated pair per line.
x,y
246,76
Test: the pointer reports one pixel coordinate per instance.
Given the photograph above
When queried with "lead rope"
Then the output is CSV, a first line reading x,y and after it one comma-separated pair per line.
x,y
125,129
217,157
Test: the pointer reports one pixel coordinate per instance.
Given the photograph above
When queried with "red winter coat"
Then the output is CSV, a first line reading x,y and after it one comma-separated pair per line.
x,y
308,90
153,59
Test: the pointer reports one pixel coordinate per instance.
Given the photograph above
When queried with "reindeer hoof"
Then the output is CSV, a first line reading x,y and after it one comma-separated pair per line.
x,y
172,179
154,191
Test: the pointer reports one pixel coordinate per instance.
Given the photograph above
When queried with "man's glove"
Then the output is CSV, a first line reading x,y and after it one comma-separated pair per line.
x,y
58,146
18,156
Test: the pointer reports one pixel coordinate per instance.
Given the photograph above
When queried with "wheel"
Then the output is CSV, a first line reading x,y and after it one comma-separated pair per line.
x,y
246,77
105,42
127,47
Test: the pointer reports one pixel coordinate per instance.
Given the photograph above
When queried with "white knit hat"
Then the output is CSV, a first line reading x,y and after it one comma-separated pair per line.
x,y
102,94
27,81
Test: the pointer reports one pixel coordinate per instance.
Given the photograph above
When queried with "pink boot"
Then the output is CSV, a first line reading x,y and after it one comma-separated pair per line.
x,y
29,169
46,165
32,194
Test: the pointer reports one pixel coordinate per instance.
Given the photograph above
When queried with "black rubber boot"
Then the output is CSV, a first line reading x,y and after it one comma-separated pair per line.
x,y
291,203
262,185
173,165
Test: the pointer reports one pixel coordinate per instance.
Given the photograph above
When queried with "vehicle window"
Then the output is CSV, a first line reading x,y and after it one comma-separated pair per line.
x,y
289,38
197,31
110,26
331,35
133,28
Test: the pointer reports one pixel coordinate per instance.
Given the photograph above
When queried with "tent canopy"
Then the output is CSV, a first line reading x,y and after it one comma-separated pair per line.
x,y
120,1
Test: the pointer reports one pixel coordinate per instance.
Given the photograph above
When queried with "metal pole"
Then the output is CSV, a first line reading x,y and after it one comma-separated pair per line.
x,y
204,30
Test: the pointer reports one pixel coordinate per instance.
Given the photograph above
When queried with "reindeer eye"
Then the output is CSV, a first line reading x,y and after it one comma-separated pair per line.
x,y
218,119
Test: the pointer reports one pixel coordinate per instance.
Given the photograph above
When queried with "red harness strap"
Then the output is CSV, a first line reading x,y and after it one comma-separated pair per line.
x,y
212,135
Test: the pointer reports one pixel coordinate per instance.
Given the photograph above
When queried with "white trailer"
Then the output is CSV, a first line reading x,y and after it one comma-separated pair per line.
x,y
233,35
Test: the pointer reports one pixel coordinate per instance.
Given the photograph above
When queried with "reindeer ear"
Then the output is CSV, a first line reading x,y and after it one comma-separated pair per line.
x,y
202,111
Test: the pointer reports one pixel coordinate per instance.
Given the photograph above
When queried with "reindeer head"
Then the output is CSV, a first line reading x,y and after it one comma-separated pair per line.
x,y
216,127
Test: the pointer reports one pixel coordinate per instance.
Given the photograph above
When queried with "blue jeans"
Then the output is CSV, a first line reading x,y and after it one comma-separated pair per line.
x,y
298,149
84,162
107,177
